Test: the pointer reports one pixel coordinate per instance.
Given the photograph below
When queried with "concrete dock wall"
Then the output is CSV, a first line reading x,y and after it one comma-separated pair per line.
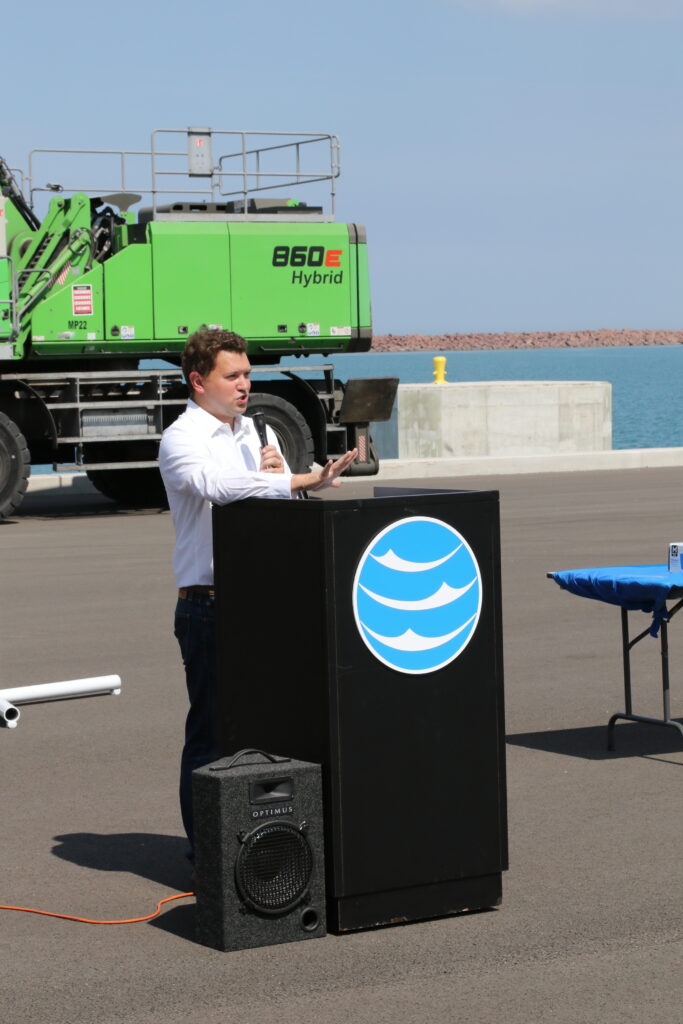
x,y
503,418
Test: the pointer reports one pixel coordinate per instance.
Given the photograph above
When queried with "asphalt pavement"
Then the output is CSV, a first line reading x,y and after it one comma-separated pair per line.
x,y
591,924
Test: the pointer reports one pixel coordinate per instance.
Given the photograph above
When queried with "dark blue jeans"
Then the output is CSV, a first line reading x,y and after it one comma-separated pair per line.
x,y
195,632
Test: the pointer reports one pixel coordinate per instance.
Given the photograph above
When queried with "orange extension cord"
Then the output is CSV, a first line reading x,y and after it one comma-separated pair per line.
x,y
86,920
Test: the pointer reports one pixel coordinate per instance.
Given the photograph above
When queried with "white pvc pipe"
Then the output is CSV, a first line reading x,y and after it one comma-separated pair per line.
x,y
9,715
62,691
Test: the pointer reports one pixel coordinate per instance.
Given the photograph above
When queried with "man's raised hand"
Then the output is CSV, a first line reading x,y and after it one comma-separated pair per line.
x,y
328,476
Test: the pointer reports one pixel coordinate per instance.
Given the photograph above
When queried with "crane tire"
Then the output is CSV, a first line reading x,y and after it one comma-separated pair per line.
x,y
15,466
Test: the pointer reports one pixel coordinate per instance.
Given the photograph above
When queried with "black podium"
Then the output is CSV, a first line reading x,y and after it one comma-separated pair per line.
x,y
366,636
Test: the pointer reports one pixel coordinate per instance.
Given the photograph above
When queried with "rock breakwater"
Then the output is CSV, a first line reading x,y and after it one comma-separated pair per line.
x,y
537,339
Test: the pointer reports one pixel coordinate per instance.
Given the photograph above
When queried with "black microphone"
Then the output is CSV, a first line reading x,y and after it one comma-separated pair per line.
x,y
259,421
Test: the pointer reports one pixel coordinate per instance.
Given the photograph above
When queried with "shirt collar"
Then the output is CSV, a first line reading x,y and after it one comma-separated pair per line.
x,y
209,424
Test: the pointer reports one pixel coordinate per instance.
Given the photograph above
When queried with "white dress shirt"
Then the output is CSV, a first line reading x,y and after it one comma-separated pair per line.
x,y
203,460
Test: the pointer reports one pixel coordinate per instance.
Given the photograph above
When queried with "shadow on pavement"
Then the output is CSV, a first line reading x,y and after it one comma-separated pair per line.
x,y
73,507
160,858
630,740
179,920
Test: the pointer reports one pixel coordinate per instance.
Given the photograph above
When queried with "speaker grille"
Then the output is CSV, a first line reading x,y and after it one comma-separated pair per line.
x,y
273,867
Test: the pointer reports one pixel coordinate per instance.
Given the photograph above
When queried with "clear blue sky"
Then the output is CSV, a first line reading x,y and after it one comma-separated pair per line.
x,y
518,163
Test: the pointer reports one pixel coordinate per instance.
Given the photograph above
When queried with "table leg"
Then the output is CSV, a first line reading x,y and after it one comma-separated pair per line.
x,y
627,661
628,714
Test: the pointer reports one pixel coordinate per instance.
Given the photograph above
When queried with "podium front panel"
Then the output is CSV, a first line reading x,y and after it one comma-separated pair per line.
x,y
412,756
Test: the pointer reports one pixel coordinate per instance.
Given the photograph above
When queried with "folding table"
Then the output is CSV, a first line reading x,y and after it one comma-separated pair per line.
x,y
647,588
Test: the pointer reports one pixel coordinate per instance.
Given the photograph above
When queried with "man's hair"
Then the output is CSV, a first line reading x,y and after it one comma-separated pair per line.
x,y
202,348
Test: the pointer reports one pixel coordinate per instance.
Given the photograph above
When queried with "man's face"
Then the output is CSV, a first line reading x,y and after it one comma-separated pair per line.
x,y
225,391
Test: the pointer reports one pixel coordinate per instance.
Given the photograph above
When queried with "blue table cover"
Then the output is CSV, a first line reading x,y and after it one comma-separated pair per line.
x,y
634,587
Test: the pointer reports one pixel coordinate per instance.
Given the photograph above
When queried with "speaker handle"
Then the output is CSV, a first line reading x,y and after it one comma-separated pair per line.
x,y
243,753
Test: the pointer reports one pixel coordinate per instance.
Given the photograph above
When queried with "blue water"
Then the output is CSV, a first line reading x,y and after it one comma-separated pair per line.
x,y
646,380
646,383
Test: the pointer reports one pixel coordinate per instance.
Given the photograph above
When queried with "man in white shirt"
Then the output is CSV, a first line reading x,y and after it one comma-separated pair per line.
x,y
212,454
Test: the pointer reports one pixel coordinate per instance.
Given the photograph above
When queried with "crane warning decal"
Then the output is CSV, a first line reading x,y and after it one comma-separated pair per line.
x,y
81,299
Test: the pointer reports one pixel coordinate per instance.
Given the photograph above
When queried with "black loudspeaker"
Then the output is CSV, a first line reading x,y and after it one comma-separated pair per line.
x,y
259,855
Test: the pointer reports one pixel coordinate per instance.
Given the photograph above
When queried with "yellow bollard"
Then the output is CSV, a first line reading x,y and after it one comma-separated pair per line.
x,y
439,370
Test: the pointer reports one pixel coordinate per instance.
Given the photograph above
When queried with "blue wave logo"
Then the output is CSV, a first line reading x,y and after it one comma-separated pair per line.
x,y
417,595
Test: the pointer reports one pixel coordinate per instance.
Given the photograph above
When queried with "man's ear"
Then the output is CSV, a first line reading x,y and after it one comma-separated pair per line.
x,y
196,381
